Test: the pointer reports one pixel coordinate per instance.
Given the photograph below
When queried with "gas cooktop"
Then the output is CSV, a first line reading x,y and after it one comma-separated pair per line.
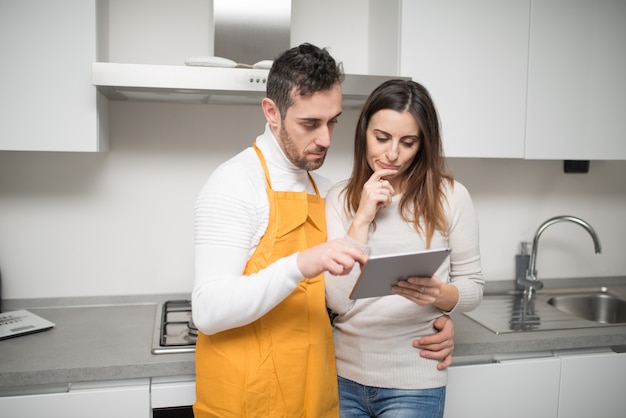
x,y
174,331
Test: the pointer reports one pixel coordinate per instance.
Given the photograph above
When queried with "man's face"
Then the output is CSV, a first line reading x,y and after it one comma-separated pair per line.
x,y
307,127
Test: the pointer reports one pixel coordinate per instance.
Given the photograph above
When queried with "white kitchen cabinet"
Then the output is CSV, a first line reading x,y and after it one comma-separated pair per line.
x,y
513,388
515,81
472,57
120,399
576,83
48,102
592,385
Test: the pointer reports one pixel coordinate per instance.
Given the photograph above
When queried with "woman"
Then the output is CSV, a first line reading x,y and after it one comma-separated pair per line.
x,y
399,198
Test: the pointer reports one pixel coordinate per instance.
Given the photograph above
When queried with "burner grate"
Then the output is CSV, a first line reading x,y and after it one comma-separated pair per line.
x,y
174,329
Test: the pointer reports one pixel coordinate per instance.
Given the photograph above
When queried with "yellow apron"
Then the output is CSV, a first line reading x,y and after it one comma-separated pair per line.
x,y
283,364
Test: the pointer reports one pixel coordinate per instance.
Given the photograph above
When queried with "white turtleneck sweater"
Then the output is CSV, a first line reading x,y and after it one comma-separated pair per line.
x,y
373,336
231,216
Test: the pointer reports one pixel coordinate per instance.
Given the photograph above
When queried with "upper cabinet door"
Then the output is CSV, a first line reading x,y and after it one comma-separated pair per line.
x,y
472,57
576,80
48,102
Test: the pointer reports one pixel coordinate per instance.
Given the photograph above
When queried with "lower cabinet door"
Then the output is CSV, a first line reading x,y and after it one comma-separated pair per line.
x,y
513,388
120,399
593,385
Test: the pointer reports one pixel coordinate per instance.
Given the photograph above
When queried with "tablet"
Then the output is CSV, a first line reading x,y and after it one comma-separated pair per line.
x,y
383,271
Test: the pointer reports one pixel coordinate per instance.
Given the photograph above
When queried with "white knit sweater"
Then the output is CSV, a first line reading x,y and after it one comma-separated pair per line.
x,y
373,336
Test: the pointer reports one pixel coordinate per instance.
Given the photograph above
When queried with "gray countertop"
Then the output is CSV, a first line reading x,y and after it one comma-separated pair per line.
x,y
98,339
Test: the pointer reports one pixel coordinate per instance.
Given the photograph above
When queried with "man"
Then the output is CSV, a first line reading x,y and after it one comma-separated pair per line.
x,y
265,346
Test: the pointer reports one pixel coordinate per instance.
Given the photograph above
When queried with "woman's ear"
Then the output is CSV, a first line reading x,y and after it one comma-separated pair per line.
x,y
271,112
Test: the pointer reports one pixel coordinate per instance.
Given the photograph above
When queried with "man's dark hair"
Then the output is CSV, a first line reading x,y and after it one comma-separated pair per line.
x,y
307,68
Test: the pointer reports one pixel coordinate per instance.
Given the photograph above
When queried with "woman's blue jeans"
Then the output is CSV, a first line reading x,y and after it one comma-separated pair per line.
x,y
359,401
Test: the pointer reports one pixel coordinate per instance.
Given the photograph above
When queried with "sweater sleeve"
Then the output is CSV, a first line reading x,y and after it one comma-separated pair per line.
x,y
231,215
338,288
463,235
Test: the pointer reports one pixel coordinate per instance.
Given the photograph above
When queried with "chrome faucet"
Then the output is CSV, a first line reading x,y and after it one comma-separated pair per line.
x,y
530,282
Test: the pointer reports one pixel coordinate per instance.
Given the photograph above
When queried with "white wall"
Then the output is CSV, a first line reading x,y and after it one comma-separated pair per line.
x,y
121,222
75,224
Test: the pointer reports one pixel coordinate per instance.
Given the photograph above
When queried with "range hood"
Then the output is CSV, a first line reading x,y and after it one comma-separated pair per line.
x,y
248,33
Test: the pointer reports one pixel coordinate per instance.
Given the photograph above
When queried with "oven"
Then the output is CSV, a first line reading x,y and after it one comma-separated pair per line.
x,y
174,333
172,397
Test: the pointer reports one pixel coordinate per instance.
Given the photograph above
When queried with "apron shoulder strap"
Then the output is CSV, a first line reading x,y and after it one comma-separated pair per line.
x,y
268,183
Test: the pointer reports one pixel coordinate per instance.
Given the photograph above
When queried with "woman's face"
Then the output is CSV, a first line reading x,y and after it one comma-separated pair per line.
x,y
392,142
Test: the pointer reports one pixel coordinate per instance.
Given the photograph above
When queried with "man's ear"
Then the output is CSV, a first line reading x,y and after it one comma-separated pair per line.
x,y
271,112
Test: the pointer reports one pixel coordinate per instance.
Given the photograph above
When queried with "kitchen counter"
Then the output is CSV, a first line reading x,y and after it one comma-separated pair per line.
x,y
102,338
94,339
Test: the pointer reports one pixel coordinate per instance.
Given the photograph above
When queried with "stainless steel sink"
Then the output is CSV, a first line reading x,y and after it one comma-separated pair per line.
x,y
553,309
598,307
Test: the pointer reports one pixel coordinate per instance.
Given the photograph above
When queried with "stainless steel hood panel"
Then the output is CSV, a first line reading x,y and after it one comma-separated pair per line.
x,y
192,84
248,31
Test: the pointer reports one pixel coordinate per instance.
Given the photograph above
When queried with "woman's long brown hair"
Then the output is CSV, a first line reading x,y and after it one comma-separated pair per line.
x,y
423,184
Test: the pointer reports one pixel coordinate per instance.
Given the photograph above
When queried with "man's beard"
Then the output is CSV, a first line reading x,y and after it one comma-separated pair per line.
x,y
300,161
